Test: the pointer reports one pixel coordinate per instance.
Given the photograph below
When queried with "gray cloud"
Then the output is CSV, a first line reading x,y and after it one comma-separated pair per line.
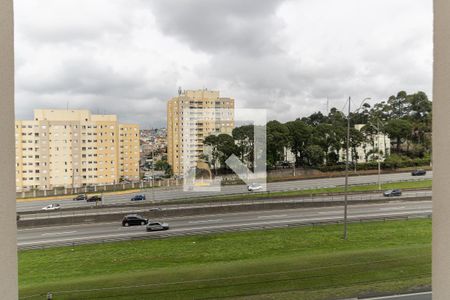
x,y
53,21
129,57
245,27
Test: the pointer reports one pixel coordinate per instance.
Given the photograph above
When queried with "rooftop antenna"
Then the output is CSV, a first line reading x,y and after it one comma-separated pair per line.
x,y
179,91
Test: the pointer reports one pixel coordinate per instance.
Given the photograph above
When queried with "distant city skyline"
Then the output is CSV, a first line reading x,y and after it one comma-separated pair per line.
x,y
129,57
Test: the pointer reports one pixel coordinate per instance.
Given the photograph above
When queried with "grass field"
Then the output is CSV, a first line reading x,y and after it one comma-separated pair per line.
x,y
295,263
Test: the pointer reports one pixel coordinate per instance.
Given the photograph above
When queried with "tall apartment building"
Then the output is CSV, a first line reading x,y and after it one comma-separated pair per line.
x,y
192,116
73,148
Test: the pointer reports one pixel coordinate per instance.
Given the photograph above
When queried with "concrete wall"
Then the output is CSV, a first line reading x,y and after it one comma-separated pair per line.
x,y
8,246
441,151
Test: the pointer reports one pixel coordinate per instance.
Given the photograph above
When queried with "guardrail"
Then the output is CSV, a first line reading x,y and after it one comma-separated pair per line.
x,y
153,236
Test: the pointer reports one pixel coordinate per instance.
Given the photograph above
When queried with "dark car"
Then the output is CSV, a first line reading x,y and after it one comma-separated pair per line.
x,y
95,198
392,193
155,226
134,220
418,173
81,197
138,198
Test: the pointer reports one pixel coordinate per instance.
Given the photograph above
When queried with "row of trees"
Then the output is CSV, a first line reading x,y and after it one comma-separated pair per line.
x,y
317,139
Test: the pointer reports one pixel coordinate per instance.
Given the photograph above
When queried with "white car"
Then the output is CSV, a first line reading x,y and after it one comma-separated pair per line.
x,y
52,207
254,187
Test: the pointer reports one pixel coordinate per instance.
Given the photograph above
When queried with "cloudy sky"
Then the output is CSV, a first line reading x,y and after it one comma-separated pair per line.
x,y
128,57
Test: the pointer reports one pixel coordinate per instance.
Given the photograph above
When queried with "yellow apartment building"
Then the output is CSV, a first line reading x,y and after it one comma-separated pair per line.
x,y
192,116
74,148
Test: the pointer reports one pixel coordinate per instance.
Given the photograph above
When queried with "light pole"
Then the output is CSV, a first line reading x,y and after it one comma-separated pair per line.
x,y
153,175
377,128
379,173
346,171
346,166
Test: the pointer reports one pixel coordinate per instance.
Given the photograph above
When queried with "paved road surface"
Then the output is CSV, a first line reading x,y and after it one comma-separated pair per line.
x,y
418,296
109,210
174,193
215,223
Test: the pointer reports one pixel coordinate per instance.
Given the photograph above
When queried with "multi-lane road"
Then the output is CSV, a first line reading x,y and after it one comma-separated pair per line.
x,y
49,236
176,193
108,210
415,296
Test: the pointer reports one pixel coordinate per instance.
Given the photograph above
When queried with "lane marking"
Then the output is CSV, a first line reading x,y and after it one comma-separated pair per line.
x,y
310,219
401,296
271,217
204,221
58,233
412,206
394,208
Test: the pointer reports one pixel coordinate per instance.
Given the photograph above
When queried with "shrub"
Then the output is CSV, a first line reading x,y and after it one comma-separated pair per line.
x,y
392,162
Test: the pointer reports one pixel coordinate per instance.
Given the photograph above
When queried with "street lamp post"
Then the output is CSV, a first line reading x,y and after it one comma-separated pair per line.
x,y
346,166
346,172
378,129
379,172
153,175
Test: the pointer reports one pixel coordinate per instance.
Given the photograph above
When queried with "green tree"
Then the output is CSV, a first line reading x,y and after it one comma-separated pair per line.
x,y
225,148
336,118
244,137
398,105
356,139
420,106
162,165
315,119
277,140
222,147
314,155
420,116
299,138
212,141
398,129
328,137
361,116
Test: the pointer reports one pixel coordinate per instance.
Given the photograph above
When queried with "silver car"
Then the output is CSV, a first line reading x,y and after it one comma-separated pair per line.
x,y
155,226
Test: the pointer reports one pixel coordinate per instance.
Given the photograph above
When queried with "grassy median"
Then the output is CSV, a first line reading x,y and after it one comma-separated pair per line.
x,y
293,263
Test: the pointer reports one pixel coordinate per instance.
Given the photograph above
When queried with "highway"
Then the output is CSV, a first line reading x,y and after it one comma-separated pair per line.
x,y
88,233
176,193
416,296
168,207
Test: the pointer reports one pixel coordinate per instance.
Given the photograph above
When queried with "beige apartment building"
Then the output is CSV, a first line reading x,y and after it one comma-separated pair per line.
x,y
192,116
74,148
